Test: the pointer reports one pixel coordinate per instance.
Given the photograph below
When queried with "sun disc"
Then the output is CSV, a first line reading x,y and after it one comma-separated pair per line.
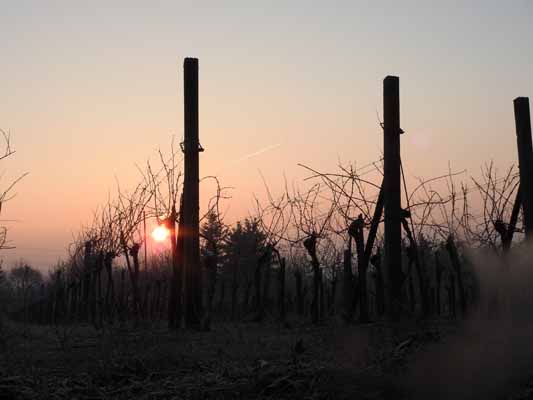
x,y
160,234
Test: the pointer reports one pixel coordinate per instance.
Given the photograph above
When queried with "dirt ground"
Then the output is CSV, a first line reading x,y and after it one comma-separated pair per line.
x,y
236,361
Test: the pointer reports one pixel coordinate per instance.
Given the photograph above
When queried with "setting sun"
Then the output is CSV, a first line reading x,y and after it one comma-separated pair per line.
x,y
160,234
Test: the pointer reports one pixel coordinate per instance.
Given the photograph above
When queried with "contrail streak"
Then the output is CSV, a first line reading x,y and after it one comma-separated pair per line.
x,y
256,153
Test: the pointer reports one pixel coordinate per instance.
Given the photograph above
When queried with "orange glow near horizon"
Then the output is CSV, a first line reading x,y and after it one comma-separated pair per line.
x,y
160,234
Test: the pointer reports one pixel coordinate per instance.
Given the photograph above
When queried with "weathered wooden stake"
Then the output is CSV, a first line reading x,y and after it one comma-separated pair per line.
x,y
281,288
310,245
392,195
87,265
457,267
380,286
356,231
511,228
299,291
525,159
348,283
222,296
439,268
110,290
234,288
191,199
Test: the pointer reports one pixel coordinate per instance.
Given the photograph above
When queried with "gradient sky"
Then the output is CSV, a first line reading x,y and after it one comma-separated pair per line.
x,y
91,88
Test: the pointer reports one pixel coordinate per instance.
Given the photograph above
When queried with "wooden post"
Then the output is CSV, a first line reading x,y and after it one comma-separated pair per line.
x,y
451,293
457,267
299,291
257,288
122,294
156,303
221,298
281,288
234,287
191,148
348,283
321,295
110,290
525,159
164,298
210,261
174,317
310,245
87,266
145,244
512,223
380,286
265,299
356,231
146,307
99,289
414,259
58,300
392,195
439,268
134,277
378,212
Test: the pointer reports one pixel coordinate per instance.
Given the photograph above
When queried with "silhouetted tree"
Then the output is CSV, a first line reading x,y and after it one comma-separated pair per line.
x,y
213,233
245,249
24,280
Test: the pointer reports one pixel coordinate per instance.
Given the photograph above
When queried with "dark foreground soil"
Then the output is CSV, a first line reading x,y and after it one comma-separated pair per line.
x,y
247,361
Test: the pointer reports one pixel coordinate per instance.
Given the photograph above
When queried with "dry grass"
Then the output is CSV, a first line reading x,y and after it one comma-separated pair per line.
x,y
233,361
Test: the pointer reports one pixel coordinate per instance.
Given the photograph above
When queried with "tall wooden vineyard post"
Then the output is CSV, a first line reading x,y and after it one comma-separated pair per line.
x,y
525,160
191,198
392,195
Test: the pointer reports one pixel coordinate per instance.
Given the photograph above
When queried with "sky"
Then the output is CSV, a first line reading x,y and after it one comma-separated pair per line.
x,y
90,89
